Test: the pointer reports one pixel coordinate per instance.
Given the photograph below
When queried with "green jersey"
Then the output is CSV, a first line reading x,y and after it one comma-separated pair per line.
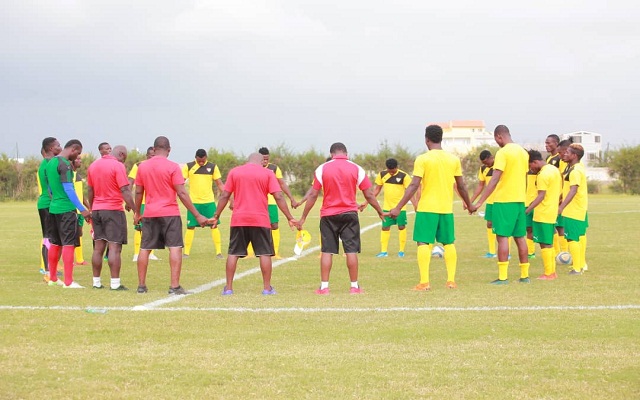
x,y
45,198
59,171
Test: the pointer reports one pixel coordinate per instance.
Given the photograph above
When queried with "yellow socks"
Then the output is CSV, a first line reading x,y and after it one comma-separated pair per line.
x,y
78,253
556,243
524,270
503,268
276,241
188,240
491,238
531,247
402,238
548,260
215,235
384,240
450,261
424,261
137,239
564,245
575,248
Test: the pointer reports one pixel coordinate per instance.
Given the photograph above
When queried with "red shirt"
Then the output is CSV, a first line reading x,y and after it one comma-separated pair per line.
x,y
158,176
339,178
106,176
250,184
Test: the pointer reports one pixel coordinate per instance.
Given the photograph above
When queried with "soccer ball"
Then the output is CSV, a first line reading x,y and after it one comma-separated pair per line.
x,y
564,258
437,252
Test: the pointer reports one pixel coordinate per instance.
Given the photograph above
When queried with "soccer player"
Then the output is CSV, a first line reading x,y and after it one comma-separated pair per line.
x,y
560,243
551,145
250,183
339,178
545,210
394,181
50,148
484,176
161,180
202,175
273,209
509,181
104,148
78,185
573,208
137,233
532,193
436,171
63,220
108,187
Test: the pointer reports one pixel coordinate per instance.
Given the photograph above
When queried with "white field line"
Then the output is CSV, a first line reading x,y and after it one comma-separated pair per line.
x,y
221,282
276,310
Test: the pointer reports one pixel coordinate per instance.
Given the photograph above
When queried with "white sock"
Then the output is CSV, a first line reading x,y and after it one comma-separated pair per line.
x,y
354,284
115,283
324,285
97,282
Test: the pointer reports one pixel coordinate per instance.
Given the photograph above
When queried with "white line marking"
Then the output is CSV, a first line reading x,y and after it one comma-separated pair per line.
x,y
336,309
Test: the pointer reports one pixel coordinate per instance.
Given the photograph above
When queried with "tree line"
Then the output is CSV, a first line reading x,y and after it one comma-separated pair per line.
x,y
18,179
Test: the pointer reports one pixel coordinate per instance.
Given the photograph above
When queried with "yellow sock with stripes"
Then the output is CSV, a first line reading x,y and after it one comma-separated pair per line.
x,y
524,270
531,247
402,238
217,242
548,260
575,248
451,261
491,239
188,240
424,261
385,236
276,241
137,240
503,270
78,253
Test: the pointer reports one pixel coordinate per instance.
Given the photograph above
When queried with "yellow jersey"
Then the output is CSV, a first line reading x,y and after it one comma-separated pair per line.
x,y
393,186
550,180
132,175
438,170
484,175
201,181
532,190
276,170
513,161
575,175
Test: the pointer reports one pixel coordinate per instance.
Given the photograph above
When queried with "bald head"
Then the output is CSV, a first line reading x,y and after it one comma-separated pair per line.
x,y
501,130
162,142
120,152
255,158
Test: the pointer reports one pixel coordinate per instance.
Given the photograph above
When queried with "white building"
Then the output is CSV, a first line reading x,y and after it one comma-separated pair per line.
x,y
462,136
591,142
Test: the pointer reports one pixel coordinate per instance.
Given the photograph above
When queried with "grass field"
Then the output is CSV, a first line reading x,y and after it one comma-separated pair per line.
x,y
574,338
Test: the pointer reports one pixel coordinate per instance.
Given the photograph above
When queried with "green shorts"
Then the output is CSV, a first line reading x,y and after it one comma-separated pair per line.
x,y
529,219
431,228
206,209
488,212
273,214
80,220
139,226
543,232
560,221
574,228
509,219
400,221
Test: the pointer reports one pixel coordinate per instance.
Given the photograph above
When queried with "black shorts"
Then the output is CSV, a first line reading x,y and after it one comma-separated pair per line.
x,y
63,229
259,237
345,226
110,225
161,232
44,215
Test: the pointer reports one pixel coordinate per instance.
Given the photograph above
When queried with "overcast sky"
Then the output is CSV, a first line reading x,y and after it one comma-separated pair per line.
x,y
240,74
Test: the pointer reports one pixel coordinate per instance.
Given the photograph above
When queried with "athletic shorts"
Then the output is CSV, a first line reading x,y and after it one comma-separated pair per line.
x,y
259,237
43,213
400,221
110,226
345,227
432,227
206,209
273,214
63,229
574,228
509,219
161,232
488,212
529,219
560,221
80,220
543,232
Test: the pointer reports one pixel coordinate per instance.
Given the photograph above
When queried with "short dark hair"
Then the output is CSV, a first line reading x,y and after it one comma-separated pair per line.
x,y
73,142
433,133
484,154
336,147
47,142
554,137
149,149
201,153
264,151
102,144
534,155
565,143
501,129
161,142
577,150
392,163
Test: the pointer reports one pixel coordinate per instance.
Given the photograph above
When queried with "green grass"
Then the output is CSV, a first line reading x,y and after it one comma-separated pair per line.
x,y
390,342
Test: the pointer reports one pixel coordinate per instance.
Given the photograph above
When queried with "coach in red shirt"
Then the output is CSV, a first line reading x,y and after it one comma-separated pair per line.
x,y
161,180
339,178
108,186
250,183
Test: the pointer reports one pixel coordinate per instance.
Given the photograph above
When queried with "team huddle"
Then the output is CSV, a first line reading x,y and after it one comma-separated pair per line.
x,y
527,198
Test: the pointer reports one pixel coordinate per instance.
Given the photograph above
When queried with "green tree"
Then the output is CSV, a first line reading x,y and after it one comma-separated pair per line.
x,y
624,164
225,160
